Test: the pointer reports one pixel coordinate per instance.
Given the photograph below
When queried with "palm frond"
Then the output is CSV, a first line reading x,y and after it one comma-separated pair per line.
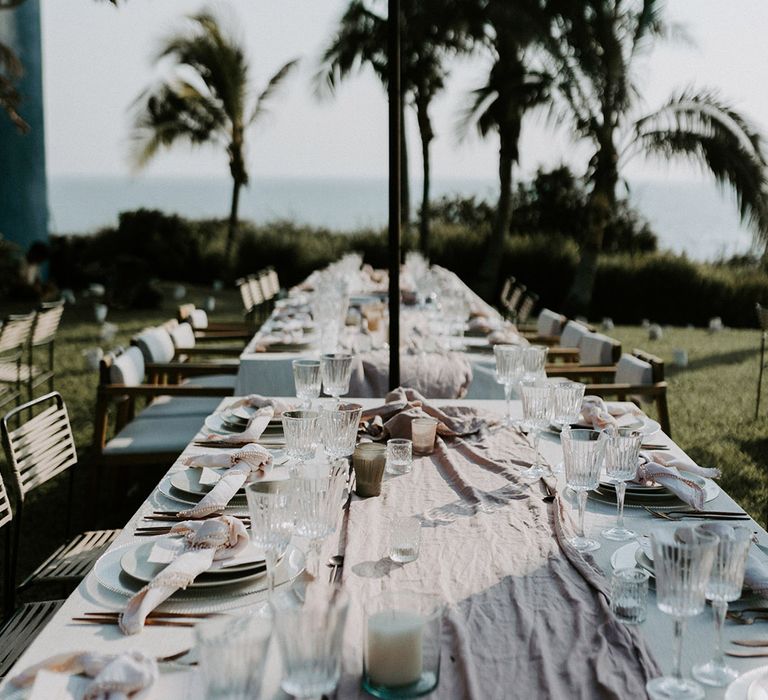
x,y
701,128
10,98
272,86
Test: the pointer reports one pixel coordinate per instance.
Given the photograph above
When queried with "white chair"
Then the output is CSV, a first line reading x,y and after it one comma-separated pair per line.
x,y
598,350
549,323
572,334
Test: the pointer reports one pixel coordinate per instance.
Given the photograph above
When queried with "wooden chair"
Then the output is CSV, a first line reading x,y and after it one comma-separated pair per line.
x,y
527,305
762,319
41,448
44,329
15,334
274,282
506,290
208,330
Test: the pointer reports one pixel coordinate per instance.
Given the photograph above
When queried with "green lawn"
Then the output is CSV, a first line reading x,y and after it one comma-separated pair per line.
x,y
711,401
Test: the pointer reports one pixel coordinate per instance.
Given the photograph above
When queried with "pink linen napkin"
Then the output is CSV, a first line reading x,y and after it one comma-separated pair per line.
x,y
662,468
599,414
259,401
252,459
252,432
115,676
286,337
205,542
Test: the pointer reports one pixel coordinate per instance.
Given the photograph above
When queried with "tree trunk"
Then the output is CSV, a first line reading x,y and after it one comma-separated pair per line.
x,y
491,267
232,224
426,134
405,188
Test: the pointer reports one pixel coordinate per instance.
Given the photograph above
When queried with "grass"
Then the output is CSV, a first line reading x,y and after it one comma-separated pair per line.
x,y
711,403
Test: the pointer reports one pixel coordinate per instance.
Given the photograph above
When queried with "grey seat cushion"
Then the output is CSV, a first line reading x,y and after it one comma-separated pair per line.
x,y
169,435
166,406
224,381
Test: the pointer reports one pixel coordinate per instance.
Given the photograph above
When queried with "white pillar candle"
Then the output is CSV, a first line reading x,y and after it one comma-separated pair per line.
x,y
394,648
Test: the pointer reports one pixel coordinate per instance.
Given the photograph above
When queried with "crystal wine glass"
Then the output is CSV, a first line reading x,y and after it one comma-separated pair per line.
x,y
583,453
682,562
509,367
338,428
271,508
534,361
336,371
725,584
567,398
622,452
306,377
537,413
301,435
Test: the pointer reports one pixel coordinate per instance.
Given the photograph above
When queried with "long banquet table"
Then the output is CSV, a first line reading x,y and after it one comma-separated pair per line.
x,y
470,566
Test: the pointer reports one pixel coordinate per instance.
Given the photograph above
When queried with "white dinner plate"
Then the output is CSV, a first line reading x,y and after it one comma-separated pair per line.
x,y
743,688
663,499
167,489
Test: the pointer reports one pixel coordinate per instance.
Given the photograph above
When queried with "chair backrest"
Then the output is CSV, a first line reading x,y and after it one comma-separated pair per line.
x,y
527,306
656,363
572,334
199,319
41,447
256,292
516,297
124,367
46,323
274,281
506,290
156,345
245,294
183,336
266,287
549,323
16,331
598,350
633,370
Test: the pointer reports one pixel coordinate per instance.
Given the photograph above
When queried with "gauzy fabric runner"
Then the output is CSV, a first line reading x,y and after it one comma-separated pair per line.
x,y
527,616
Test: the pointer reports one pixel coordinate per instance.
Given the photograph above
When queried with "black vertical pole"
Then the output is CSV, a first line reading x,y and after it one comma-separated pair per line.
x,y
395,136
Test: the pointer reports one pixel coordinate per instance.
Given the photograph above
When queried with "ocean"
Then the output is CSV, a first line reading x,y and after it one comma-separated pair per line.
x,y
688,217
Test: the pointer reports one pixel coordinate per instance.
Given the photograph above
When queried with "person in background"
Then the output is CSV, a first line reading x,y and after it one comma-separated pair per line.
x,y
30,283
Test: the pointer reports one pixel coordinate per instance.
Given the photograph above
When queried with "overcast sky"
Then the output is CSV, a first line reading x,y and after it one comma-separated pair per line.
x,y
97,59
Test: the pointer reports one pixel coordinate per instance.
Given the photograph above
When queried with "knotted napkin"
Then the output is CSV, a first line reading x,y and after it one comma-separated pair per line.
x,y
662,468
600,415
115,676
205,542
252,459
284,337
256,426
259,401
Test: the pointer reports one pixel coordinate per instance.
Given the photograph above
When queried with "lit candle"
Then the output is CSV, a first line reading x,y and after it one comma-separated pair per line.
x,y
423,431
394,648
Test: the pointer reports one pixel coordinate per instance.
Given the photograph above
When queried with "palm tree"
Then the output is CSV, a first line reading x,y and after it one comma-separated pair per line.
x,y
428,38
595,62
205,101
10,71
513,33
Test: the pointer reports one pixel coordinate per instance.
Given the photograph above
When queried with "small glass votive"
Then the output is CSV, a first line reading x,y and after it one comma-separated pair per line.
x,y
405,539
368,461
423,433
629,595
399,456
402,644
232,653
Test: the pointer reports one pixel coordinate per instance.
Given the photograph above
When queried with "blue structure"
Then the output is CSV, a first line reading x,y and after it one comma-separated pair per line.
x,y
23,186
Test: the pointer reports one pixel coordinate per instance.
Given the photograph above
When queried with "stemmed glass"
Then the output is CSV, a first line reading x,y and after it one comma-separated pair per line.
x,y
338,428
509,367
306,377
583,453
534,361
567,398
537,413
682,562
317,506
301,435
271,508
725,584
336,371
622,452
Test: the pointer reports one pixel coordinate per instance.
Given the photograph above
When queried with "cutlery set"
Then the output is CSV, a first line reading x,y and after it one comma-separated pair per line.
x,y
696,514
155,618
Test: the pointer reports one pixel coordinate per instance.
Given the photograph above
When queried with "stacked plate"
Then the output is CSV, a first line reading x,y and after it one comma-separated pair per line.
x,y
655,495
230,423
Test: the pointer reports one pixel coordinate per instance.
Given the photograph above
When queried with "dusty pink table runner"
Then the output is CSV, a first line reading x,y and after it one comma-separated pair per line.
x,y
526,614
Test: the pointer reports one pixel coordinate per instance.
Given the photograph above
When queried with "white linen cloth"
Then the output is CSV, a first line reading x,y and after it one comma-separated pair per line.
x,y
205,542
115,676
662,468
252,432
252,459
600,415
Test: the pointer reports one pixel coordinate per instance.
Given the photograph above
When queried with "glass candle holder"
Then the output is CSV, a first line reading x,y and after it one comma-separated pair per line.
x,y
399,456
423,433
402,645
405,539
629,595
369,460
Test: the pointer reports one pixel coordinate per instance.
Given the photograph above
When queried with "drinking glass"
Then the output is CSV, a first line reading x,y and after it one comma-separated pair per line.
x,y
423,435
336,371
317,505
622,452
725,584
306,377
567,398
232,654
534,359
583,453
309,626
271,510
338,428
300,429
629,595
537,412
399,456
682,562
405,539
509,367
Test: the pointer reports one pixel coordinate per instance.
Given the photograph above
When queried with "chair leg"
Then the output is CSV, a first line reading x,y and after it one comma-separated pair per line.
x,y
663,410
760,374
